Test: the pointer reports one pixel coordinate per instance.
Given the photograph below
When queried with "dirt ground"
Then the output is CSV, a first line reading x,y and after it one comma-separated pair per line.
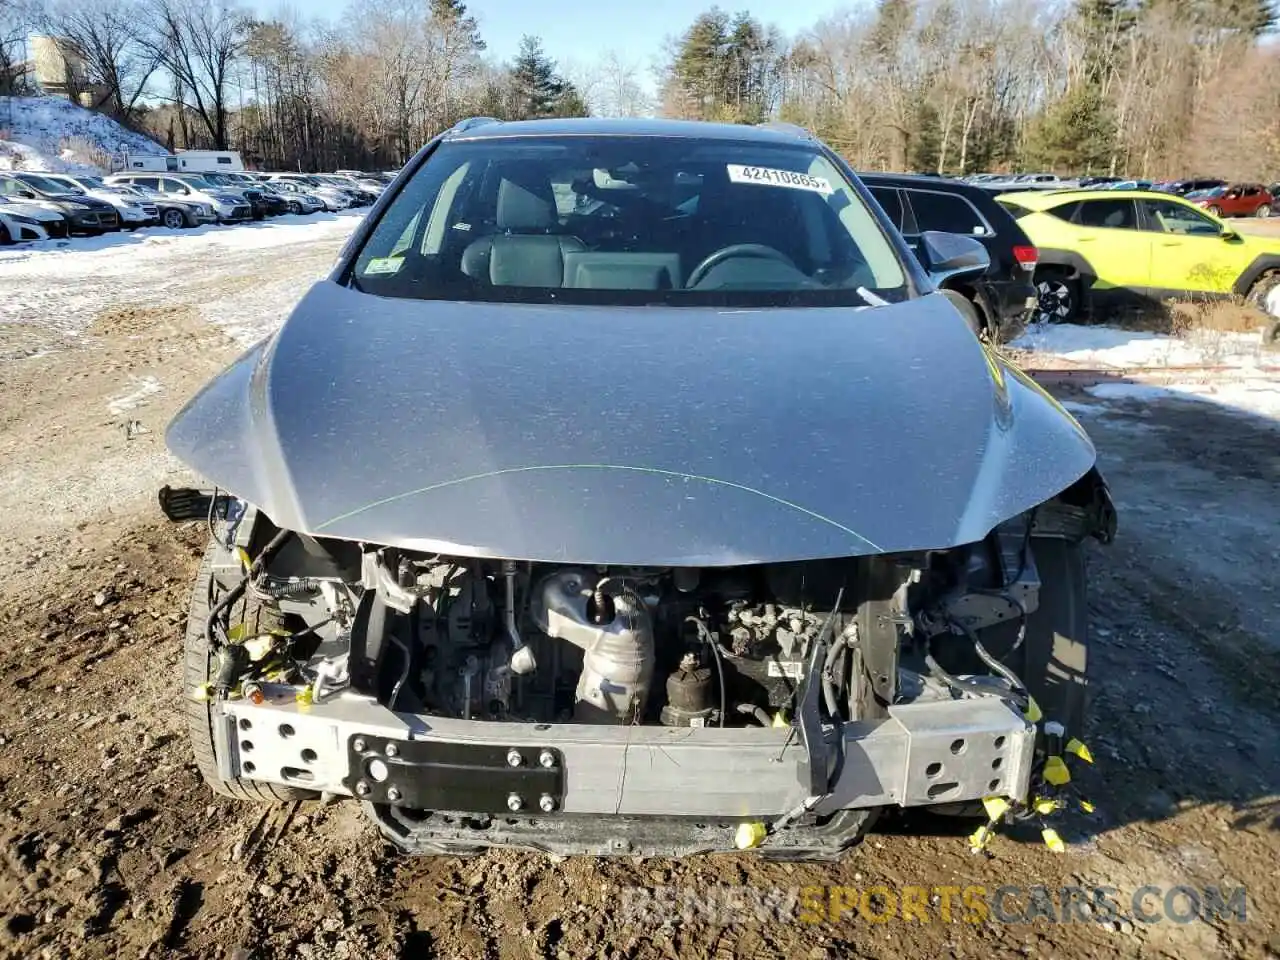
x,y
112,847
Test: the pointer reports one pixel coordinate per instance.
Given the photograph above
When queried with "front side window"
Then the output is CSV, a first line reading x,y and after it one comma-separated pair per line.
x,y
630,220
1166,216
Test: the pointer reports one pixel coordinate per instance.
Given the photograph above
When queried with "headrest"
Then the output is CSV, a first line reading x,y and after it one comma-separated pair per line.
x,y
525,206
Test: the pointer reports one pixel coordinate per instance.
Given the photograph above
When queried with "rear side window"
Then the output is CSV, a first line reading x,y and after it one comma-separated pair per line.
x,y
1064,211
946,212
1014,210
1110,214
891,201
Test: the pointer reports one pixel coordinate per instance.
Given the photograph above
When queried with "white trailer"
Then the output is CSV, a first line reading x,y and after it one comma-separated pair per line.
x,y
209,161
150,162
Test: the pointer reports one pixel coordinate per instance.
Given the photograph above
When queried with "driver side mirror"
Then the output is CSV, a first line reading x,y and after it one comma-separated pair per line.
x,y
1229,234
947,256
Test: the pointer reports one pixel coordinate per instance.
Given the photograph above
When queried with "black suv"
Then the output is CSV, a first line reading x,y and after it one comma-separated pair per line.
x,y
996,304
84,214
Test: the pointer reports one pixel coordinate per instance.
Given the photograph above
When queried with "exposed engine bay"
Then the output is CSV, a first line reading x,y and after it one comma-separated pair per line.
x,y
473,701
535,643
451,693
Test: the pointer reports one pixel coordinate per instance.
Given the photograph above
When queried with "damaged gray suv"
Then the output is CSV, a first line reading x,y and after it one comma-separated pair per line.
x,y
628,488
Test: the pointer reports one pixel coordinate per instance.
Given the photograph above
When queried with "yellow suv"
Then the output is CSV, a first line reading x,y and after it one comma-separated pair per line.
x,y
1100,249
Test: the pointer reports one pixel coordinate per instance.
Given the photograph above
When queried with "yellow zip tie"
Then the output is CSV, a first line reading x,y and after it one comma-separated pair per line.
x,y
1086,805
1079,749
305,696
259,647
1056,772
750,835
979,839
1033,712
780,720
1052,840
202,693
245,562
995,807
1045,805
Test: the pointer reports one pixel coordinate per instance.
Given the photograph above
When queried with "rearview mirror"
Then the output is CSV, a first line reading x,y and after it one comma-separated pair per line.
x,y
947,256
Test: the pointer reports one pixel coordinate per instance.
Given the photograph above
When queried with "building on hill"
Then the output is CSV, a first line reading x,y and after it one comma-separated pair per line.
x,y
60,70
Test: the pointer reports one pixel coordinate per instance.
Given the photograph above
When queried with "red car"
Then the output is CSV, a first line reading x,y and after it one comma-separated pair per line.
x,y
1236,200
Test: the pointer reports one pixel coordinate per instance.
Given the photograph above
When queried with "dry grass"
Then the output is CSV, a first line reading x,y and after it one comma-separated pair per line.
x,y
85,152
1180,318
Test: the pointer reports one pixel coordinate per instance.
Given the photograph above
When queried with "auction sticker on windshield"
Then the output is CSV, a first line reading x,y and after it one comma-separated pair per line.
x,y
767,176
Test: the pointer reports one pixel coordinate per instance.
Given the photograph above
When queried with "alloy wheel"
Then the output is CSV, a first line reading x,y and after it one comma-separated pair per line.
x,y
1055,303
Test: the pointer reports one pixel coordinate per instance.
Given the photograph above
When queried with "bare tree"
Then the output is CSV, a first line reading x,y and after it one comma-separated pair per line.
x,y
619,91
16,17
199,42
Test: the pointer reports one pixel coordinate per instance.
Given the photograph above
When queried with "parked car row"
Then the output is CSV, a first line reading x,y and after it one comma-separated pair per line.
x,y
38,206
1220,197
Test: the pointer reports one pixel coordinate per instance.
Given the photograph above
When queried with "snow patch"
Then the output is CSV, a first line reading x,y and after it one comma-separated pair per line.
x,y
143,387
1102,346
1258,397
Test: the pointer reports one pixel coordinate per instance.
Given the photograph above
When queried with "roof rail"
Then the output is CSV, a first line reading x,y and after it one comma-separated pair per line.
x,y
470,122
792,128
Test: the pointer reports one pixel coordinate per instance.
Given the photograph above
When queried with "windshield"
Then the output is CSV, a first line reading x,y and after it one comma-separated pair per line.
x,y
46,185
630,220
199,183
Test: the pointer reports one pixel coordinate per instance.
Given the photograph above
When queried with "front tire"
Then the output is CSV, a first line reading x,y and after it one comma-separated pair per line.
x,y
1058,299
197,667
1215,210
1054,661
1257,295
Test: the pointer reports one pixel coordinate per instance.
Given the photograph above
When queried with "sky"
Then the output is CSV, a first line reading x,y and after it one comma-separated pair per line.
x,y
579,31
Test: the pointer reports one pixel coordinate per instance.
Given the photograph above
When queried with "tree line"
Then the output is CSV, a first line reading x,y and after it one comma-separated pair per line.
x,y
364,92
1144,88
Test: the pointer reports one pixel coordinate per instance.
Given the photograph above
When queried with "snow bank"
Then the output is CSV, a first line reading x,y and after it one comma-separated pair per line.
x,y
1112,347
54,134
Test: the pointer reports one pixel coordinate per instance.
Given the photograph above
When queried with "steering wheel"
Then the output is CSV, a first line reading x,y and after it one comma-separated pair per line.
x,y
735,250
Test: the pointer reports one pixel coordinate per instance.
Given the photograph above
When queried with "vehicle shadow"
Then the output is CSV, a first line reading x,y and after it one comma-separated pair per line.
x,y
1184,658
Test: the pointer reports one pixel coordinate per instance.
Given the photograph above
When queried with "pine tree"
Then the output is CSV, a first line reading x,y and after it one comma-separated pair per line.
x,y
539,90
1075,134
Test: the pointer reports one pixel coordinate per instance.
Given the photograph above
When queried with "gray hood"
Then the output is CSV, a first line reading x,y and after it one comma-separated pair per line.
x,y
645,436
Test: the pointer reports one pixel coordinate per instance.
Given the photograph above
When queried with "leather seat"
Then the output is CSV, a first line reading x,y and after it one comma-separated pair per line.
x,y
524,254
